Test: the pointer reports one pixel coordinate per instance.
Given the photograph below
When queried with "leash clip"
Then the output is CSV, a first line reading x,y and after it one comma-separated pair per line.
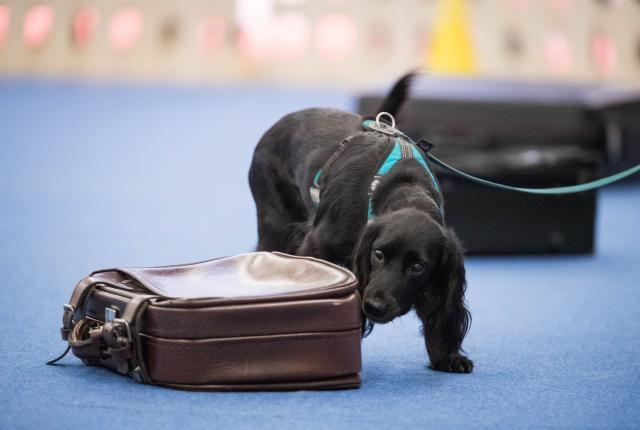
x,y
424,145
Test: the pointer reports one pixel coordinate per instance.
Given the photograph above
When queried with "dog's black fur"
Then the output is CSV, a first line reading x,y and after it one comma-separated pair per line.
x,y
404,258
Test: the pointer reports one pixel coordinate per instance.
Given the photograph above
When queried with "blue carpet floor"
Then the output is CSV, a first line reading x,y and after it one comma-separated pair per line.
x,y
98,176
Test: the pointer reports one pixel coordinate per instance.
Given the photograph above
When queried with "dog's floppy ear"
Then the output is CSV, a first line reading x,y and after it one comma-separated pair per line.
x,y
362,266
441,306
362,255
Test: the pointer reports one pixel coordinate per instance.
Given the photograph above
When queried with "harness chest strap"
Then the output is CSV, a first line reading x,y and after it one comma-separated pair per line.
x,y
314,191
402,149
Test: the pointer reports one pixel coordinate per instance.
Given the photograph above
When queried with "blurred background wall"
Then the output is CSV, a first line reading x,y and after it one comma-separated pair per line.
x,y
350,43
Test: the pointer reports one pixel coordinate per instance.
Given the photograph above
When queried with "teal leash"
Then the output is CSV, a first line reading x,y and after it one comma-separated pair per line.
x,y
426,146
556,190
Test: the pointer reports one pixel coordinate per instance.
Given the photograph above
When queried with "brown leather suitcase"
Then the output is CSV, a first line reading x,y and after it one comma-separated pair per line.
x,y
257,321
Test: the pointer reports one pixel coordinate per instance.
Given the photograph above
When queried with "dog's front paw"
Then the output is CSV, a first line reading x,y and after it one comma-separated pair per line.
x,y
453,363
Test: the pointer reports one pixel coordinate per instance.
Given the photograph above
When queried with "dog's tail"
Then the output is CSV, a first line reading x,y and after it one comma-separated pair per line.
x,y
398,94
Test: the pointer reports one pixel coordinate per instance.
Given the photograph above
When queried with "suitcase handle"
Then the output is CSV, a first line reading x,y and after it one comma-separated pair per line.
x,y
116,341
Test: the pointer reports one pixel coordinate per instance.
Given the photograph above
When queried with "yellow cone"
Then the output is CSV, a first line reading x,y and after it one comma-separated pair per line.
x,y
451,44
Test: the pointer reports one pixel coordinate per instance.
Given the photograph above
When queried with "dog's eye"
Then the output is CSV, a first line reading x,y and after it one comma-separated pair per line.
x,y
378,254
416,268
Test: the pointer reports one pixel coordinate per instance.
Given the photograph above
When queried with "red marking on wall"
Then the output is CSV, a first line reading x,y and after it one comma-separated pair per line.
x,y
557,52
604,53
211,34
84,26
5,21
125,29
38,23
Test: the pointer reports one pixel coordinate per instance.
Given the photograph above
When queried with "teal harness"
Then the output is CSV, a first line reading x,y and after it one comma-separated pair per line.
x,y
403,148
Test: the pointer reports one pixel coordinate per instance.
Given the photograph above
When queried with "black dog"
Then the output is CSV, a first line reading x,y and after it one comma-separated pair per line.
x,y
403,257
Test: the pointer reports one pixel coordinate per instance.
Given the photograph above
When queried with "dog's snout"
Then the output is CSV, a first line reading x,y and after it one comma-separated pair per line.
x,y
375,308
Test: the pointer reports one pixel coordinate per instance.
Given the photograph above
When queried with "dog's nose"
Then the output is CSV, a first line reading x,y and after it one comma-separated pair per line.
x,y
375,309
